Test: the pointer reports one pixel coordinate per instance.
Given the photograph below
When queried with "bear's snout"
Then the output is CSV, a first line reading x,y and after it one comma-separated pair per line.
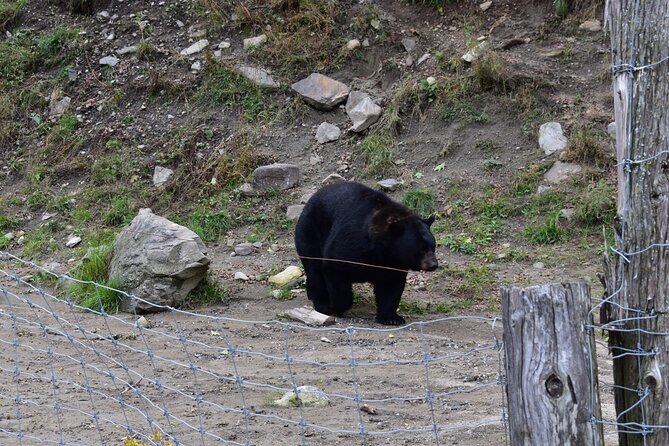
x,y
429,262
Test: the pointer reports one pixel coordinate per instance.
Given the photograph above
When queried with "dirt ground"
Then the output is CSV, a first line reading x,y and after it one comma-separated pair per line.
x,y
211,377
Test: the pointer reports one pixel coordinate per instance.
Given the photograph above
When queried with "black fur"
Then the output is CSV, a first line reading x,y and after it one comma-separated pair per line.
x,y
350,221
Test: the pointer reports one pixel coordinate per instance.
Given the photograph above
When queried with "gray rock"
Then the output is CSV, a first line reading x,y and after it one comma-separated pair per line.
x,y
611,130
241,276
128,50
542,188
109,61
275,176
196,66
73,241
258,76
246,189
59,107
362,111
9,236
158,261
591,26
474,53
485,5
551,138
244,249
306,396
161,175
409,44
254,41
304,198
567,213
294,211
409,60
390,184
561,171
320,91
327,132
332,178
423,58
538,265
195,48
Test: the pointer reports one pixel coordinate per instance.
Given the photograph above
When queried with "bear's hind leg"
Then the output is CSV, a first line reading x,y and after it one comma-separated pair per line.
x,y
317,291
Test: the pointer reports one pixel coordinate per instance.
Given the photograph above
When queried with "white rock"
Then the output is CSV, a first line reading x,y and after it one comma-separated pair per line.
x,y
21,240
224,45
258,76
561,171
538,265
551,138
9,236
327,132
180,24
196,66
73,241
352,44
362,111
591,25
109,61
306,396
475,52
431,80
195,48
254,41
423,58
161,175
241,276
485,6
142,322
390,184
294,211
128,50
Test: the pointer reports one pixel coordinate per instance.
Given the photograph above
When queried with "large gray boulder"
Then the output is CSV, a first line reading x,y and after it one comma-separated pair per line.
x,y
158,261
275,176
321,92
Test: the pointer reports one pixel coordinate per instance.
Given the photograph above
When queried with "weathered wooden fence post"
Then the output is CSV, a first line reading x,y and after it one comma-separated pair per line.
x,y
637,277
551,373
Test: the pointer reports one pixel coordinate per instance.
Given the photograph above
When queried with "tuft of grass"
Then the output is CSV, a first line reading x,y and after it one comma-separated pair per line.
x,y
6,222
95,268
119,213
223,86
596,206
39,242
9,10
411,307
423,202
546,233
210,226
490,71
587,145
208,292
377,154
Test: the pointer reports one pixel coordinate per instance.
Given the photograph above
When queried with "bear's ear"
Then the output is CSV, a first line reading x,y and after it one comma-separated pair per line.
x,y
428,221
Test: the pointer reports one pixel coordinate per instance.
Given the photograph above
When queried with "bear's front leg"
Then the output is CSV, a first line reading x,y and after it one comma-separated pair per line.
x,y
388,293
341,293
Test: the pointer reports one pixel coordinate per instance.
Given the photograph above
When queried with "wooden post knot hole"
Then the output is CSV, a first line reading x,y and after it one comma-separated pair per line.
x,y
554,386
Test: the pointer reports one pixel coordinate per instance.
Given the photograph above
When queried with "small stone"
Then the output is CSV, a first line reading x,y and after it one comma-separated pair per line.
x,y
611,130
542,188
275,176
390,184
195,48
352,44
59,107
254,41
180,24
376,24
326,340
365,43
423,58
485,6
551,138
110,61
332,178
591,26
409,60
257,245
258,76
241,276
409,44
244,249
314,159
21,240
294,211
103,15
73,241
304,198
274,247
128,50
431,80
198,33
567,213
561,171
161,175
246,189
306,396
142,322
474,52
9,236
196,66
286,276
538,265
327,132
224,45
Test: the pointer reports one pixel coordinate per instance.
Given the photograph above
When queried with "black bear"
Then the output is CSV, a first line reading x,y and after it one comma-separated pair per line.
x,y
364,236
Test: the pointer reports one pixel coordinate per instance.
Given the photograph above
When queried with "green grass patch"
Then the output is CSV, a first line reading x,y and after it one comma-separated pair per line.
x,y
423,202
588,145
6,222
208,292
596,206
223,86
120,212
547,232
470,281
376,152
210,226
95,268
9,10
39,242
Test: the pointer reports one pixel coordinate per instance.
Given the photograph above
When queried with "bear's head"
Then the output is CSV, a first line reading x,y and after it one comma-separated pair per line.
x,y
407,239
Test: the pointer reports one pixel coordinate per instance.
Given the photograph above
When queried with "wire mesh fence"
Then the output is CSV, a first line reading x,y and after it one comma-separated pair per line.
x,y
72,376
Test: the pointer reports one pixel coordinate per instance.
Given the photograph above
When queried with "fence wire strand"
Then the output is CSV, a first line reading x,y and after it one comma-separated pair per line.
x,y
198,378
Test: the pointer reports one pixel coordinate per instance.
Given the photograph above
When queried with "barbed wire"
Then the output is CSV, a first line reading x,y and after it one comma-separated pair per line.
x,y
199,378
